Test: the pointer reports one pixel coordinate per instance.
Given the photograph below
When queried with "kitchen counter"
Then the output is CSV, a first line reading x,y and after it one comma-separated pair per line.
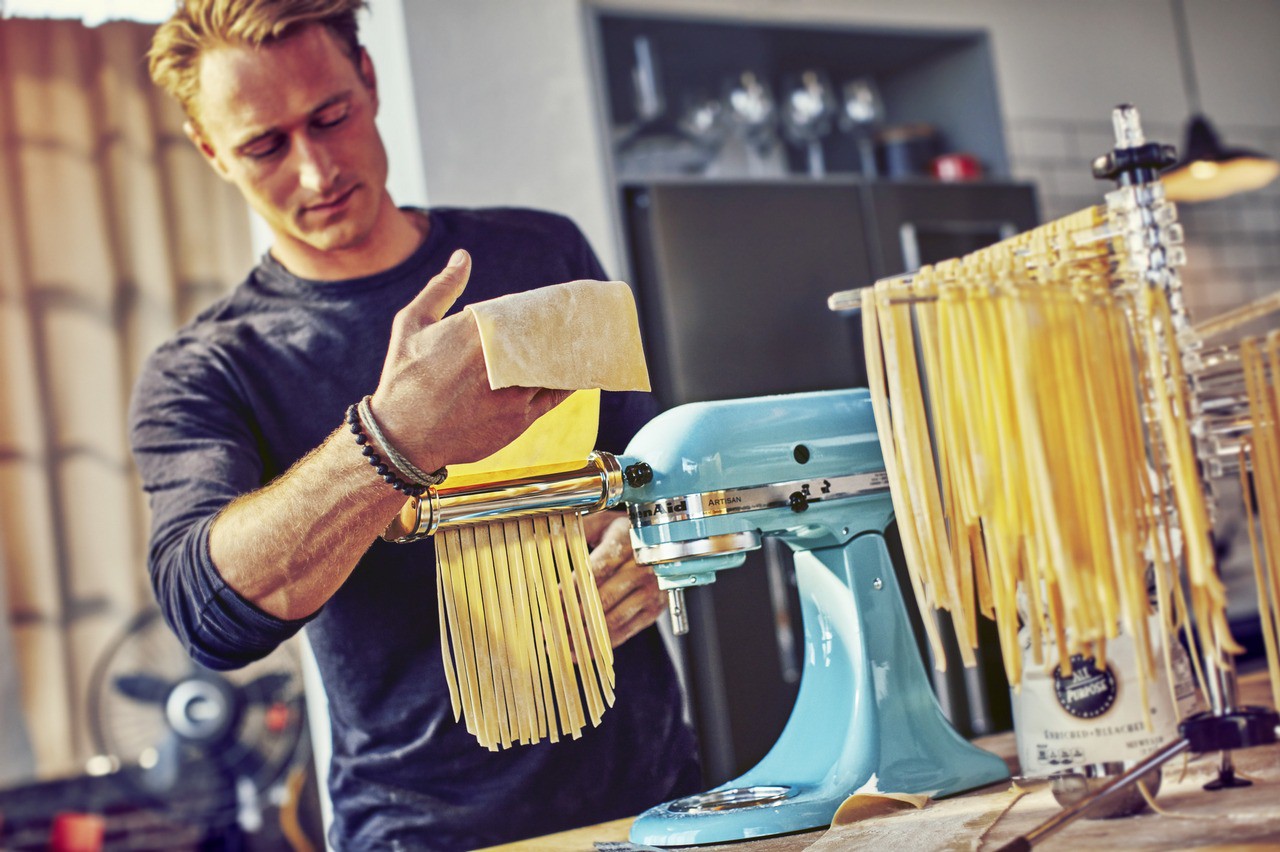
x,y
1193,818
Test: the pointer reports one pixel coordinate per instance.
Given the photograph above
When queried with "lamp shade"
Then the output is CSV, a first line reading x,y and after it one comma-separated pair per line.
x,y
1208,170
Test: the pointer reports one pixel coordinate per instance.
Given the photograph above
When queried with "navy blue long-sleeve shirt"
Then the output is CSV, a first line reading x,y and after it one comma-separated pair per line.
x,y
249,387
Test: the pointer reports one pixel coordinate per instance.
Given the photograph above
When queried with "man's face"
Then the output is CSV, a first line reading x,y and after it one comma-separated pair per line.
x,y
292,126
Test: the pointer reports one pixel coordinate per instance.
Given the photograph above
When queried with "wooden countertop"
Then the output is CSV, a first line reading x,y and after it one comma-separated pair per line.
x,y
1246,817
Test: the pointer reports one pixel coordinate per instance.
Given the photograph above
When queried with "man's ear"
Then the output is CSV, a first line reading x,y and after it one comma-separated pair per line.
x,y
366,74
193,133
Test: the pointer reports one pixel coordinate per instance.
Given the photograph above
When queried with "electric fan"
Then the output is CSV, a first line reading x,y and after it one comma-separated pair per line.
x,y
210,747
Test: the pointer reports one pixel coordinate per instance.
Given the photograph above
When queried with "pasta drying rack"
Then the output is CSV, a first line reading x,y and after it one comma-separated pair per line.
x,y
1197,413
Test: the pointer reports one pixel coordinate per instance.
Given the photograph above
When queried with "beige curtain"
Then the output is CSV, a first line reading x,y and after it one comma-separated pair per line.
x,y
112,232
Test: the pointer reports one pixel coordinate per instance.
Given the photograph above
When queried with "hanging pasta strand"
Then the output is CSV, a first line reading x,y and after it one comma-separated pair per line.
x,y
1262,377
899,493
450,676
529,625
597,626
453,590
486,721
524,642
517,675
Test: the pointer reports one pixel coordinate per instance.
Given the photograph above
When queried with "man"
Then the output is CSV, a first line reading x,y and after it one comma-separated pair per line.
x,y
266,513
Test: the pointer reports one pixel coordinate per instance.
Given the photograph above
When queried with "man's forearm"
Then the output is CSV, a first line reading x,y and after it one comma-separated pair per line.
x,y
290,545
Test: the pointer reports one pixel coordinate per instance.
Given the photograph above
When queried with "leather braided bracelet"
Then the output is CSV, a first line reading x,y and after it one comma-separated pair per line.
x,y
415,483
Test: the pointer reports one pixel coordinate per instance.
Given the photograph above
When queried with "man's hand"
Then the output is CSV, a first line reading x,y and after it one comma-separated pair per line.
x,y
628,590
288,546
433,400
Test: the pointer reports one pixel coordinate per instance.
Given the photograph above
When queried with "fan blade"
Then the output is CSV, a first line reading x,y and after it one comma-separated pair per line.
x,y
143,687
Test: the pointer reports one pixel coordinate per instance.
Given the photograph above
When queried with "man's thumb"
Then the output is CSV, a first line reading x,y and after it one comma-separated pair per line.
x,y
443,290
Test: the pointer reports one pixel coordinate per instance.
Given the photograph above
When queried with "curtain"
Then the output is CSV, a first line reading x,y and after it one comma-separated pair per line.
x,y
113,232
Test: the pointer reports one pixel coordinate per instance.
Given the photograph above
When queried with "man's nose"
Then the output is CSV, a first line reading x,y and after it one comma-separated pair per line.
x,y
317,169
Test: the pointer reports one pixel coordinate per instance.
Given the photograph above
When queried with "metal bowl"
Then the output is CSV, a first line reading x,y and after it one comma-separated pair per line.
x,y
1072,786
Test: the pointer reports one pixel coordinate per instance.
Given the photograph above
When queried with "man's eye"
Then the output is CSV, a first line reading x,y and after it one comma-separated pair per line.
x,y
262,148
331,117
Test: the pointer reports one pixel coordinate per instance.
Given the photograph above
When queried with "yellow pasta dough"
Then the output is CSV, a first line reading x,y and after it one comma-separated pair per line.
x,y
524,641
581,334
565,433
862,806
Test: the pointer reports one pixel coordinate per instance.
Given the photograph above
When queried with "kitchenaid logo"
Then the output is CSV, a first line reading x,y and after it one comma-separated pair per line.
x,y
661,508
1087,692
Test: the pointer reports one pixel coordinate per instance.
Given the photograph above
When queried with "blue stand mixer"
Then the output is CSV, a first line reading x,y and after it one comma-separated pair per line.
x,y
704,483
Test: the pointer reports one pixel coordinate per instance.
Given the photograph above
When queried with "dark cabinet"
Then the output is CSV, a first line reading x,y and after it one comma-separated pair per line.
x,y
732,280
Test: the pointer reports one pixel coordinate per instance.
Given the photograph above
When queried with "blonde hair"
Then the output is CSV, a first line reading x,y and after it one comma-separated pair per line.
x,y
198,25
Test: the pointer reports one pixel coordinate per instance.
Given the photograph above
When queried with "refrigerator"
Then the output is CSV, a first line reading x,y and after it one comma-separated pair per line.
x,y
731,280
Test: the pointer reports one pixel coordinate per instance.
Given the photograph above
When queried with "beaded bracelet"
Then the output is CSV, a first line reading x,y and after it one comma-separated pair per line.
x,y
411,472
389,476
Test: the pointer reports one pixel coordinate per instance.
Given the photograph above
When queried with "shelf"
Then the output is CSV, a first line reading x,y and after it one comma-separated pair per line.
x,y
940,79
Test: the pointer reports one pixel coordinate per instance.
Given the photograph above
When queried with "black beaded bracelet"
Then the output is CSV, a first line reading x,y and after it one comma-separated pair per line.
x,y
380,467
395,459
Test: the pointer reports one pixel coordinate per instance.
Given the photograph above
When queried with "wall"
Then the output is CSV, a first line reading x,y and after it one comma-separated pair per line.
x,y
506,109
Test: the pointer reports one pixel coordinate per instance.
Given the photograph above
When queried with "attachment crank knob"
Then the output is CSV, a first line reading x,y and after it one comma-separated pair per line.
x,y
638,474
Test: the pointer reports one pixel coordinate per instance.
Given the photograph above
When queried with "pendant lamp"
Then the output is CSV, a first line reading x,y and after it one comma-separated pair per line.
x,y
1208,169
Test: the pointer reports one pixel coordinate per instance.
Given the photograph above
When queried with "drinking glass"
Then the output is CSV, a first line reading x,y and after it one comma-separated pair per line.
x,y
808,114
754,116
861,116
704,119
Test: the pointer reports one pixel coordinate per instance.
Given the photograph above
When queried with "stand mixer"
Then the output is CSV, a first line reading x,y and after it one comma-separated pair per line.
x,y
703,484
